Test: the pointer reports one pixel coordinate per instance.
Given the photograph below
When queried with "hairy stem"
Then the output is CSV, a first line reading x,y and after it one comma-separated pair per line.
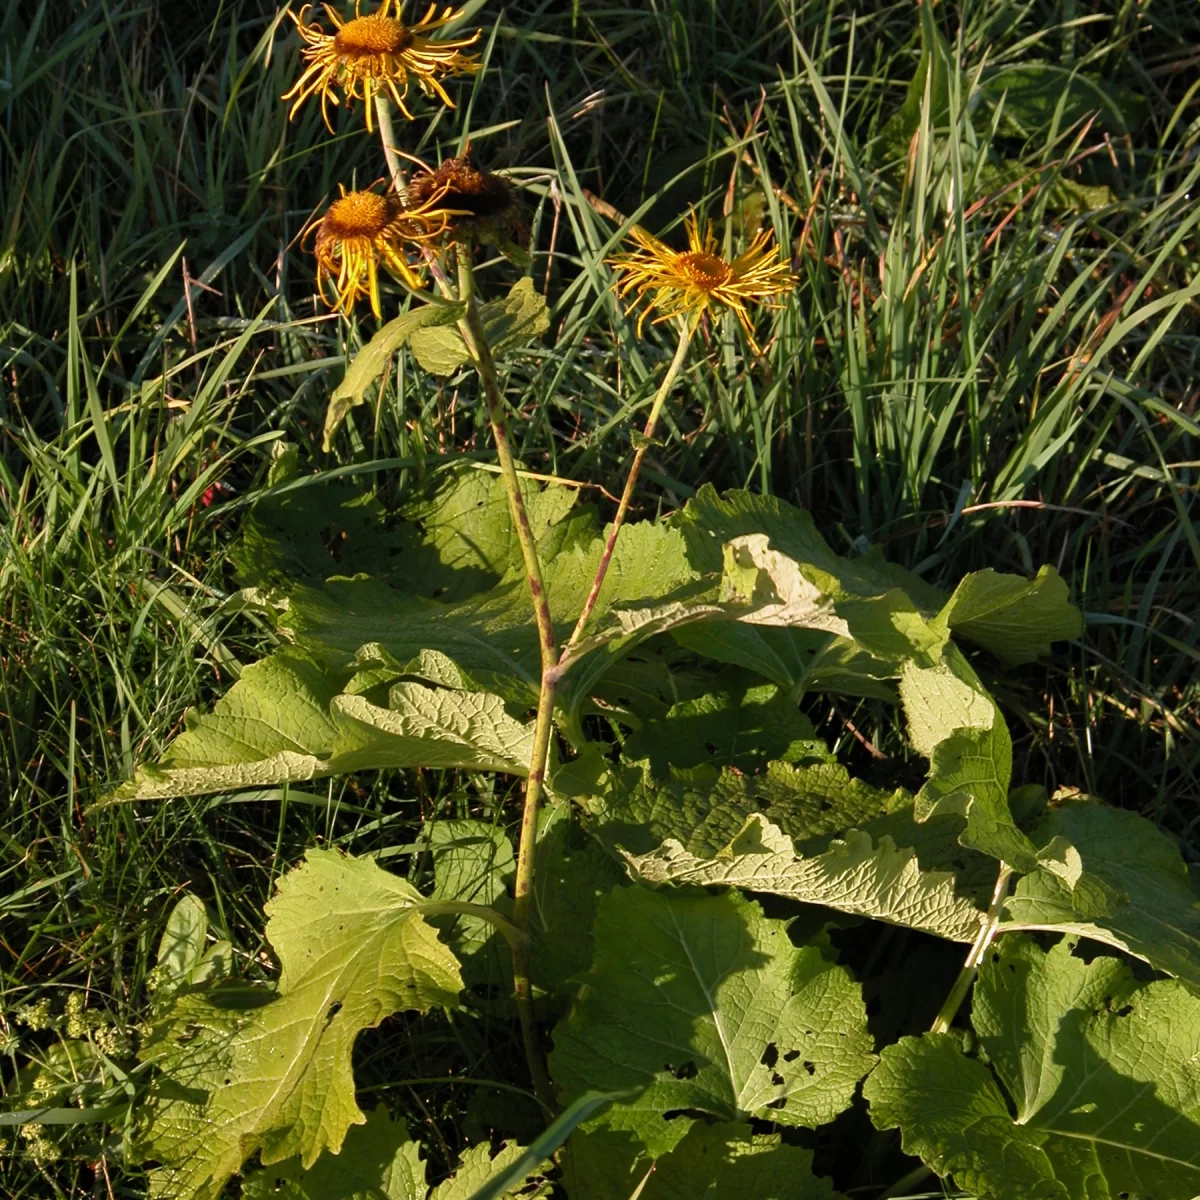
x,y
471,328
958,992
660,397
383,113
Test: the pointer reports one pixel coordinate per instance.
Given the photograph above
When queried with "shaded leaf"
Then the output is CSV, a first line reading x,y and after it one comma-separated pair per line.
x,y
378,1161
1035,93
712,1162
706,1006
742,727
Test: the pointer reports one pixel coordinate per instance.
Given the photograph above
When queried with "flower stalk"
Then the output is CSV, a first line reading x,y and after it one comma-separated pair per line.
x,y
664,390
387,137
962,984
473,333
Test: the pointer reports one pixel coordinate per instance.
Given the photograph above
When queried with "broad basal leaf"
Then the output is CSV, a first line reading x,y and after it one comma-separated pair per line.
x,y
704,809
955,723
573,874
707,1006
378,1161
712,1162
709,521
491,635
1092,1092
854,876
469,539
472,861
797,660
307,526
244,1069
1111,875
284,721
273,725
736,727
1016,619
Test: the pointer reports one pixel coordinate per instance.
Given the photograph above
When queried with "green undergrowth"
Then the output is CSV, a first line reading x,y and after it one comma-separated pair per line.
x,y
989,365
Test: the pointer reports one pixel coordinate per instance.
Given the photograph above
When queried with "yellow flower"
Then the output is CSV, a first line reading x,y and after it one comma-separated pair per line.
x,y
377,53
361,230
686,284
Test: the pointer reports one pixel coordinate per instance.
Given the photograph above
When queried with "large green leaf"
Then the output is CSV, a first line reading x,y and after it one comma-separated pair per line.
x,y
706,1005
738,726
243,1069
797,660
469,541
1016,619
472,861
378,1161
284,721
704,809
1092,1092
573,874
273,725
446,543
955,723
310,526
855,875
1111,875
491,635
712,1162
710,520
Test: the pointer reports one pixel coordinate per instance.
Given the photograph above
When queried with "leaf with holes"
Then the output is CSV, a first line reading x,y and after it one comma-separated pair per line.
x,y
705,1005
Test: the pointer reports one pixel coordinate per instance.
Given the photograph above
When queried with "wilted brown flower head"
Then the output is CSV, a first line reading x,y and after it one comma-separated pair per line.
x,y
485,208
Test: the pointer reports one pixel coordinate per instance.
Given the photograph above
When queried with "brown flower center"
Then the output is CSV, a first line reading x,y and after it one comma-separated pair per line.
x,y
706,271
368,37
357,214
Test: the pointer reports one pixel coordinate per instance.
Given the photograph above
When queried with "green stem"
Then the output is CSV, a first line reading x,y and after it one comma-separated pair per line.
x,y
471,328
966,976
660,397
383,113
464,908
387,136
